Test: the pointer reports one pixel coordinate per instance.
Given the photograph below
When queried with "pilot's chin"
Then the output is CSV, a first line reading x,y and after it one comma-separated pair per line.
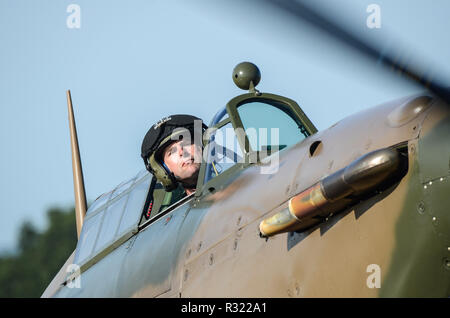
x,y
192,166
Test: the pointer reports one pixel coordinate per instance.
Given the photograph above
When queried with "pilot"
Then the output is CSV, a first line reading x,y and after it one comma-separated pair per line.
x,y
172,152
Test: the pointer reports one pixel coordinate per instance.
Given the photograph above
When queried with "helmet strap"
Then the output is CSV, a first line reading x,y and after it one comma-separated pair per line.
x,y
167,168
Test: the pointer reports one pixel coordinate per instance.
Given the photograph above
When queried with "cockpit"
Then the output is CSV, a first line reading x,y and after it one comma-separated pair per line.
x,y
250,129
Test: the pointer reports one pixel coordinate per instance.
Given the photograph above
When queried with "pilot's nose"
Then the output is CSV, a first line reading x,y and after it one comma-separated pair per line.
x,y
182,151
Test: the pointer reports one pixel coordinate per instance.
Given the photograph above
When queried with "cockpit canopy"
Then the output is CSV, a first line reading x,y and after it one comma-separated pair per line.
x,y
113,217
249,128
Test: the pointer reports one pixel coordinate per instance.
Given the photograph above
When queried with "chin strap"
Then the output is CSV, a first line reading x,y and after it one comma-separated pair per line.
x,y
165,167
171,175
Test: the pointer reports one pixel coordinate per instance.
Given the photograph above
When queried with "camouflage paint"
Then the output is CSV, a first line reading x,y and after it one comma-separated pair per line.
x,y
419,263
212,247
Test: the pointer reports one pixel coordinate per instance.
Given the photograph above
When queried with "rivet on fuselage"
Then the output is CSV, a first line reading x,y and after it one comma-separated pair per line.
x,y
434,220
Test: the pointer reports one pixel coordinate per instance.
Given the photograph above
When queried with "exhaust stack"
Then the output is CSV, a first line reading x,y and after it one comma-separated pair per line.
x,y
342,189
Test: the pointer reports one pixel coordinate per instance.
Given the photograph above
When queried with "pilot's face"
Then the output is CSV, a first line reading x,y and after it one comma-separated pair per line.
x,y
183,159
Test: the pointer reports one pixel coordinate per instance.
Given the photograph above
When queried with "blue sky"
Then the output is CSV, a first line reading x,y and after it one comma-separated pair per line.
x,y
133,62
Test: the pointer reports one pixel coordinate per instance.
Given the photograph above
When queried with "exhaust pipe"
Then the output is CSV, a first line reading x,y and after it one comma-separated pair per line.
x,y
335,192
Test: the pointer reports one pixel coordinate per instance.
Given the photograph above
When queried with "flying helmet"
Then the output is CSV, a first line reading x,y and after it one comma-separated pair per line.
x,y
168,130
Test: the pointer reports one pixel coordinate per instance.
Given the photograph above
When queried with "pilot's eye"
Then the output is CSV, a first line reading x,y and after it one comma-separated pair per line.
x,y
172,150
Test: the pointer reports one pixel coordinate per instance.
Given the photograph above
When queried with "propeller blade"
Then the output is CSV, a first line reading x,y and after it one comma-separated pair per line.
x,y
307,14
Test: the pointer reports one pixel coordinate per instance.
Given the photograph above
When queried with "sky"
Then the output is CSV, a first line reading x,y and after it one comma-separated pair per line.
x,y
130,63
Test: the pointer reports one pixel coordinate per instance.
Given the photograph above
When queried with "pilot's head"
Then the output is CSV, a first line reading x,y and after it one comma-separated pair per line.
x,y
172,151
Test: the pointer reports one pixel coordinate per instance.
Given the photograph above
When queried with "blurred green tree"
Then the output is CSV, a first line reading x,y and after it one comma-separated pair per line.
x,y
39,256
